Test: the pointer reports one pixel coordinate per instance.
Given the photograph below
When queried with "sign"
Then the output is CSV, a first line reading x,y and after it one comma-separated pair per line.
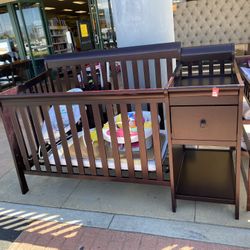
x,y
84,30
215,92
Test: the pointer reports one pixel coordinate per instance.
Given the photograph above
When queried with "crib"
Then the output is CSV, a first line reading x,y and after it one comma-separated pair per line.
x,y
56,131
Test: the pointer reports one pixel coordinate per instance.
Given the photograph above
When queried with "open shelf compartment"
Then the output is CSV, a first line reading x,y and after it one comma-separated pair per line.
x,y
206,175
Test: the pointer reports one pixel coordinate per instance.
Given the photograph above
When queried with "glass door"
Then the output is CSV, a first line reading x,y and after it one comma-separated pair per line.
x,y
102,24
35,38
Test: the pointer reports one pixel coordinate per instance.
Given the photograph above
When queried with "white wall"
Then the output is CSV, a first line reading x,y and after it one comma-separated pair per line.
x,y
140,22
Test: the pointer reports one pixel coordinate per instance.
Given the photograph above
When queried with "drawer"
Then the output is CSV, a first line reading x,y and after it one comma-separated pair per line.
x,y
208,123
204,98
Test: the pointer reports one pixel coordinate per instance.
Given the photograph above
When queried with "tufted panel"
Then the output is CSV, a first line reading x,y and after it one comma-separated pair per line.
x,y
212,22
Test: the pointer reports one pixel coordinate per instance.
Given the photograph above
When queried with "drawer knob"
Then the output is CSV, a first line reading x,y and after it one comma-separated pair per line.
x,y
203,123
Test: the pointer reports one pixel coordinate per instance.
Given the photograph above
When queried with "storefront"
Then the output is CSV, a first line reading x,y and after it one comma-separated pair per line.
x,y
35,28
23,31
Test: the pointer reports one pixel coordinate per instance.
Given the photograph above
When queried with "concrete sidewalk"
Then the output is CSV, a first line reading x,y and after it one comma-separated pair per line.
x,y
85,238
149,205
42,226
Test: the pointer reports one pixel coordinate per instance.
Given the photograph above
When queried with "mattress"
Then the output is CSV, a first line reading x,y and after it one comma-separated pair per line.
x,y
110,159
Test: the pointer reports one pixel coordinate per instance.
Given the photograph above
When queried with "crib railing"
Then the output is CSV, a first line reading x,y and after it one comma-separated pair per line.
x,y
28,115
148,66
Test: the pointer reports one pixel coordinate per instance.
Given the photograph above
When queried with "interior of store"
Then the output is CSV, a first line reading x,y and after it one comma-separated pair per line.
x,y
74,19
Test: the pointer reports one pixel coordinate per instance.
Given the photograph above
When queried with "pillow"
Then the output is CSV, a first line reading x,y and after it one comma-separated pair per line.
x,y
65,118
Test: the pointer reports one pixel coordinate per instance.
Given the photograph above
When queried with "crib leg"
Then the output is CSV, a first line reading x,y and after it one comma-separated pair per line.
x,y
22,182
15,150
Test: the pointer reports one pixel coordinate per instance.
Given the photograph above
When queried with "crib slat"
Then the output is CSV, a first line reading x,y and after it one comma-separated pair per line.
x,y
101,145
190,69
85,77
104,75
114,75
32,126
39,87
94,75
169,68
146,73
142,142
200,68
35,89
128,147
52,139
19,136
57,85
125,74
114,142
75,80
158,73
135,74
66,80
38,130
211,68
156,140
29,137
222,68
75,139
48,84
44,86
63,138
88,140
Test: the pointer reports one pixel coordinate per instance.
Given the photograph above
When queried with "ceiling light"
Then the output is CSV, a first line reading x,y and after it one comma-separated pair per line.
x,y
78,2
80,11
67,10
49,8
61,0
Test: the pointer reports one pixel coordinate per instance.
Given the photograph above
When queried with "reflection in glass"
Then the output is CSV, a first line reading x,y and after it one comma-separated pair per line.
x,y
7,36
107,31
35,30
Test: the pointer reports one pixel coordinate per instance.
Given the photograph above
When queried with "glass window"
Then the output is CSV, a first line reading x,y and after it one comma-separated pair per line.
x,y
7,36
107,32
35,29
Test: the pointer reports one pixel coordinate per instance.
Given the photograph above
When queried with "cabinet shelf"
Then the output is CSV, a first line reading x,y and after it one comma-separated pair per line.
x,y
62,50
206,175
58,30
58,27
61,35
59,43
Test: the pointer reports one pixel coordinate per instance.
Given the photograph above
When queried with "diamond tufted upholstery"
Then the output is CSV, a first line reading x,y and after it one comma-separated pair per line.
x,y
212,22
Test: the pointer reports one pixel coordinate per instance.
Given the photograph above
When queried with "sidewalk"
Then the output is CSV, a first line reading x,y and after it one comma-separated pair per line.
x,y
59,236
134,208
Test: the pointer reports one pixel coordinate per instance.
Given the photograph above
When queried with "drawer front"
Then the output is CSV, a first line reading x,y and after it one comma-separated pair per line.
x,y
204,98
208,123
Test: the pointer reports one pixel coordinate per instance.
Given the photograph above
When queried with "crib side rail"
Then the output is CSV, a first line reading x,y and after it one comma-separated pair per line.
x,y
42,83
45,150
148,66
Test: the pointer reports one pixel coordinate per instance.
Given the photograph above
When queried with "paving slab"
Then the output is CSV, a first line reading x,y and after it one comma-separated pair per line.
x,y
183,230
62,229
223,214
44,191
29,213
130,199
101,239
